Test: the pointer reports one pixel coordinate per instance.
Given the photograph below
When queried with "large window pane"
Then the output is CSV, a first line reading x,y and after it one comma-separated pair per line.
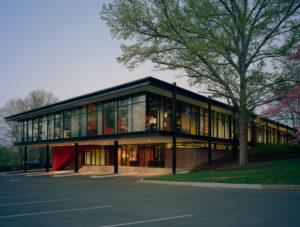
x,y
29,130
194,121
220,126
92,120
167,117
186,119
227,123
75,123
122,116
201,122
57,126
100,120
43,128
138,117
206,126
50,127
214,124
152,113
109,118
82,121
35,129
25,131
67,124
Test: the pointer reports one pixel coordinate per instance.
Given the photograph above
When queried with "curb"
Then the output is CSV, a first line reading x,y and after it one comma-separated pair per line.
x,y
222,185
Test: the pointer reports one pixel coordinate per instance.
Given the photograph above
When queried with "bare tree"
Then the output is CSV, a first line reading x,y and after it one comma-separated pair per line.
x,y
9,130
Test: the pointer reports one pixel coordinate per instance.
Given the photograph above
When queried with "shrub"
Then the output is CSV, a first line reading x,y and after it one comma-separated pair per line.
x,y
273,150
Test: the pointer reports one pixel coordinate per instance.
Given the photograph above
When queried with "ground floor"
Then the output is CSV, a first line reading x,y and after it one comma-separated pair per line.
x,y
135,155
142,152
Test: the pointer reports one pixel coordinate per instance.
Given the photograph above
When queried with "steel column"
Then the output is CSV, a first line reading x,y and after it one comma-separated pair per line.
x,y
116,157
174,129
76,158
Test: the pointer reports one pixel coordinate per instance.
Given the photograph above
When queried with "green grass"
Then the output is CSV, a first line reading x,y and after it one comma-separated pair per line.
x,y
277,172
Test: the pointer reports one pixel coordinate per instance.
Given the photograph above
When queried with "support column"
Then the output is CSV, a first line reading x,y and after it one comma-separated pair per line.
x,y
25,159
267,133
116,157
47,158
209,130
76,158
174,130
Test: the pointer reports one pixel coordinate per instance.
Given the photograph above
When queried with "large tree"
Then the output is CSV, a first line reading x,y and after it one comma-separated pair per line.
x,y
227,45
9,130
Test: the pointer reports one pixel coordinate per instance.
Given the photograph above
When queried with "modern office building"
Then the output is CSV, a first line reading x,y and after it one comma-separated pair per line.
x,y
144,123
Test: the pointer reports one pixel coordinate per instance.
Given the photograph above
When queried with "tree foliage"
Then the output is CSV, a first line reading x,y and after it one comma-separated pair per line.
x,y
288,107
228,45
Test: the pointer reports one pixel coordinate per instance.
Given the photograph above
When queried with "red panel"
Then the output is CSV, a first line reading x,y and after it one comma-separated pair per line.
x,y
63,156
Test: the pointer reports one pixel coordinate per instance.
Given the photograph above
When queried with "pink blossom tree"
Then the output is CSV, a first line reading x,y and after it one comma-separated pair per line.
x,y
288,108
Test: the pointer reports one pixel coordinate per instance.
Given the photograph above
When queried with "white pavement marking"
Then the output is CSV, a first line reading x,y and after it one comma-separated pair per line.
x,y
14,180
18,196
54,211
151,220
114,175
34,202
65,175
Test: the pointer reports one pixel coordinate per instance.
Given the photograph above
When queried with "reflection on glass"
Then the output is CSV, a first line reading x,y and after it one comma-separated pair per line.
x,y
92,120
35,129
152,112
82,121
75,123
186,119
67,124
122,116
57,125
50,127
109,118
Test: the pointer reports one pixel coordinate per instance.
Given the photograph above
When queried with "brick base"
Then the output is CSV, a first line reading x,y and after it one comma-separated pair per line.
x,y
191,157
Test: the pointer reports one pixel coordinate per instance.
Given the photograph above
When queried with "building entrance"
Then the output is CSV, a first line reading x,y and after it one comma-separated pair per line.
x,y
145,155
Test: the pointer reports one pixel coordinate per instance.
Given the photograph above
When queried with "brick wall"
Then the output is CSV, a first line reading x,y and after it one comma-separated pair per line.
x,y
191,157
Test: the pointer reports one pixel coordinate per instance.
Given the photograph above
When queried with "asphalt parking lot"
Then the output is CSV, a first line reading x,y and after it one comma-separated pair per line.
x,y
121,201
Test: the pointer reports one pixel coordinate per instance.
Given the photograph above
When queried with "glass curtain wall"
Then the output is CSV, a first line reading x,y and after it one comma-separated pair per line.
x,y
139,113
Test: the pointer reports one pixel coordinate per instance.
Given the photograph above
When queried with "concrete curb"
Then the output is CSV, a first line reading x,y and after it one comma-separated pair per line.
x,y
222,185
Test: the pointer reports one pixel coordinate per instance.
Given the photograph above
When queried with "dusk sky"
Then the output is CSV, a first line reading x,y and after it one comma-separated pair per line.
x,y
61,46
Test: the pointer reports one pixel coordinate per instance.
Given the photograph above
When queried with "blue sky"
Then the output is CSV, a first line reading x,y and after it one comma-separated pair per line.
x,y
61,46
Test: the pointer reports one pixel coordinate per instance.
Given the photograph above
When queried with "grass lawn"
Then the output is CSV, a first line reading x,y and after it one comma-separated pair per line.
x,y
272,172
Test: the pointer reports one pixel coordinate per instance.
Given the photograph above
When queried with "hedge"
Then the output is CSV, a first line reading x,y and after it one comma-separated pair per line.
x,y
273,150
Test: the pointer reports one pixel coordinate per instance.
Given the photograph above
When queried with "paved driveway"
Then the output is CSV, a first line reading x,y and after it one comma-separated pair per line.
x,y
120,201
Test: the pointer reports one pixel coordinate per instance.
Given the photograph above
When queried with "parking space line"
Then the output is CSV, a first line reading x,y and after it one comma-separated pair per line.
x,y
33,202
151,220
55,211
18,196
113,175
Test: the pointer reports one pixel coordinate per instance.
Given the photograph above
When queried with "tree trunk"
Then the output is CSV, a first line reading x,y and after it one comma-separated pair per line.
x,y
243,159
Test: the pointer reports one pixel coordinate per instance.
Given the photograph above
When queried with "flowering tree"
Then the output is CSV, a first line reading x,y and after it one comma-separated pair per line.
x,y
288,108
